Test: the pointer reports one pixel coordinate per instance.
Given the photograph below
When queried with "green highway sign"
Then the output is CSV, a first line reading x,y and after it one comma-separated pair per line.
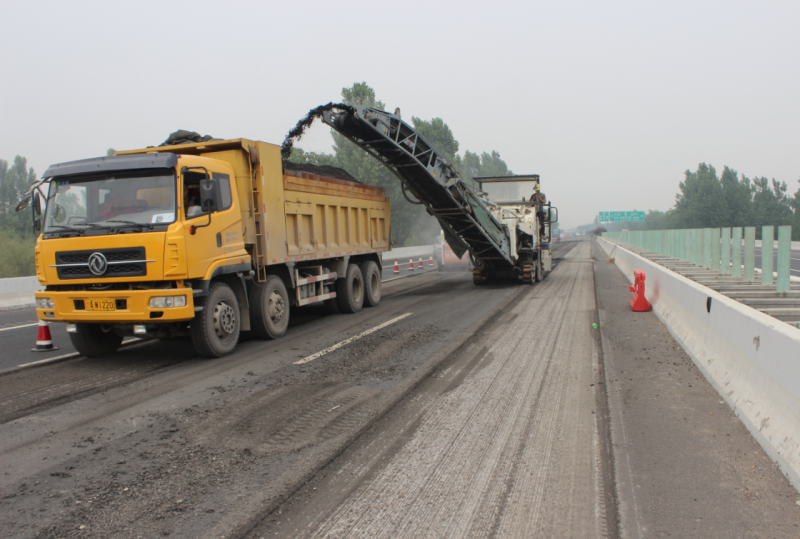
x,y
617,216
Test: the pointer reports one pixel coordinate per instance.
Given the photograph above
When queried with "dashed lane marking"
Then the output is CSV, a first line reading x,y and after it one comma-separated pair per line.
x,y
22,326
321,353
126,342
49,359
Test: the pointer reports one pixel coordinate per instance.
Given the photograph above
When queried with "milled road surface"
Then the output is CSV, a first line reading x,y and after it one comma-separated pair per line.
x,y
475,412
501,441
158,440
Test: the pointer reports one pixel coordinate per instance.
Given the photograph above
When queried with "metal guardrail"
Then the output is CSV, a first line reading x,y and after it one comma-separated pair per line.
x,y
720,249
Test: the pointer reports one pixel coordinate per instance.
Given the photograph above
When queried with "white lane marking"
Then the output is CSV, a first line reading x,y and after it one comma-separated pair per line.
x,y
73,354
22,326
321,353
49,359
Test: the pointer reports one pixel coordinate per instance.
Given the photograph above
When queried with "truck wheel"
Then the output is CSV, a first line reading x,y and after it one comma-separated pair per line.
x,y
269,309
215,329
372,283
94,340
350,290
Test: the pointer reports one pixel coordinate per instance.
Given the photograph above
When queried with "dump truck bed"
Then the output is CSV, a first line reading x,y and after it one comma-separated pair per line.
x,y
295,215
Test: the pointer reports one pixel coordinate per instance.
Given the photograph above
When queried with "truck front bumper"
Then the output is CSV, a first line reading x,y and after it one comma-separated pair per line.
x,y
129,306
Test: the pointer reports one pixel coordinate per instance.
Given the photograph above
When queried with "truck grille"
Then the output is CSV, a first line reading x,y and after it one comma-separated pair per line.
x,y
124,262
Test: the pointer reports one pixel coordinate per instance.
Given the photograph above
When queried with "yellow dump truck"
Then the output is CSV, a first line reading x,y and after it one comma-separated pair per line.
x,y
203,239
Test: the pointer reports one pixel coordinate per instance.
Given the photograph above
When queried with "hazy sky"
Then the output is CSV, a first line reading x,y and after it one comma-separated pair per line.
x,y
608,101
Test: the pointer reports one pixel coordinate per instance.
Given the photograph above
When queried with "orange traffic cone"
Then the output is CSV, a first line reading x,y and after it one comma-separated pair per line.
x,y
396,267
410,264
430,261
638,302
421,265
44,342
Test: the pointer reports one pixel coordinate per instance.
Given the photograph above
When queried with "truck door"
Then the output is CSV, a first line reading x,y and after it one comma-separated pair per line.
x,y
223,236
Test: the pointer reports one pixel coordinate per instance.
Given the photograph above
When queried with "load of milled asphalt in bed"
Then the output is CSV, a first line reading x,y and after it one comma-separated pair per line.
x,y
183,136
320,170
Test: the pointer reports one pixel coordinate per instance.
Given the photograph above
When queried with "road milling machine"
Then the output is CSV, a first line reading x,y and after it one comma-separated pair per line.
x,y
506,234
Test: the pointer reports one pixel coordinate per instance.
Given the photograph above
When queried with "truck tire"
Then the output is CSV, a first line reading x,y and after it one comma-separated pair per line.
x,y
372,283
269,309
350,290
215,329
93,340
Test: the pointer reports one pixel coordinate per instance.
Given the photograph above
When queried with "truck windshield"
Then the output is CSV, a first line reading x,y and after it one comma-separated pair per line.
x,y
138,199
512,192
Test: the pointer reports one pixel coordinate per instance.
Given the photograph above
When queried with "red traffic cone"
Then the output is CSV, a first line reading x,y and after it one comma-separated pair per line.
x,y
638,302
396,267
430,261
410,264
421,265
44,342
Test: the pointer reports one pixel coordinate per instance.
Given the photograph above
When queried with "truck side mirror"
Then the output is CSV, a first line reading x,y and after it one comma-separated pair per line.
x,y
24,202
553,215
209,195
37,203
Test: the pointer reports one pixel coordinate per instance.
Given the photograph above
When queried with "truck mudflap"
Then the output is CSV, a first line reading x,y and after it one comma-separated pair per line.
x,y
118,306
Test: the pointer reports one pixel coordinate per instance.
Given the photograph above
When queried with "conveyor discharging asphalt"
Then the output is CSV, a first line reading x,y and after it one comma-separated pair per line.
x,y
467,223
499,239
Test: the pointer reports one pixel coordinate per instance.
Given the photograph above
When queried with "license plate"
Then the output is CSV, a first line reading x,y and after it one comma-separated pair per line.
x,y
99,304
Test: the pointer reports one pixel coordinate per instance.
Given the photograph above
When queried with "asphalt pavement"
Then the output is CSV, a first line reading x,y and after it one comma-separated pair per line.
x,y
18,328
450,410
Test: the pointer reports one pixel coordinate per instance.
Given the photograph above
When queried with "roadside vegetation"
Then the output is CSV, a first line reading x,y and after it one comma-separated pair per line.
x,y
709,200
16,230
411,225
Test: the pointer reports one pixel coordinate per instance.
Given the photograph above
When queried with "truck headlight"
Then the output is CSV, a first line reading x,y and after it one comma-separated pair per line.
x,y
163,302
45,303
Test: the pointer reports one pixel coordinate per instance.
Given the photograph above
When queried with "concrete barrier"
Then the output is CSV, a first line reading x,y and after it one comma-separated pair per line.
x,y
18,292
404,252
750,358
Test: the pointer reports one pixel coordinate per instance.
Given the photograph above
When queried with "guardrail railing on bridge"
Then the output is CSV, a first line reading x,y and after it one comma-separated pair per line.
x,y
727,250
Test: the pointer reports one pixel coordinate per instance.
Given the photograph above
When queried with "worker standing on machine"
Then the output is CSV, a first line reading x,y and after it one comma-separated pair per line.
x,y
539,200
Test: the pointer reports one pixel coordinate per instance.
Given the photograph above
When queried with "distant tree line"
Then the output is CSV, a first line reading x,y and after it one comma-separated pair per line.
x,y
707,200
411,225
16,230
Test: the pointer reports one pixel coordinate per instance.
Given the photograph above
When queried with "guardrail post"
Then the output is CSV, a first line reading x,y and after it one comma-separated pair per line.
x,y
671,243
767,254
784,257
725,252
687,245
715,247
707,248
736,255
749,253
